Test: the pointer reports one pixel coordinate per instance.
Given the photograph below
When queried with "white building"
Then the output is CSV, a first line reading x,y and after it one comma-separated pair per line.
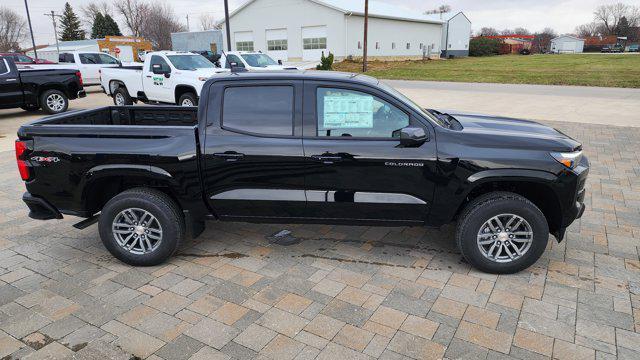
x,y
567,44
51,52
294,30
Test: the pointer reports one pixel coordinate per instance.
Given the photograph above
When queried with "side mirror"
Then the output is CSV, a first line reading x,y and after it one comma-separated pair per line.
x,y
279,62
119,63
413,137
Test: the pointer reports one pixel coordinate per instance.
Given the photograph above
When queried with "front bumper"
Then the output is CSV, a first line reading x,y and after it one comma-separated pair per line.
x,y
39,208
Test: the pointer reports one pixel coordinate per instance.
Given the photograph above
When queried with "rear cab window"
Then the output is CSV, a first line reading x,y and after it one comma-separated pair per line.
x,y
266,110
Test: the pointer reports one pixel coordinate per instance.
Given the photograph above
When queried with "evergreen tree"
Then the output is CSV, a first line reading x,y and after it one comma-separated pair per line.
x,y
111,27
98,28
70,25
623,28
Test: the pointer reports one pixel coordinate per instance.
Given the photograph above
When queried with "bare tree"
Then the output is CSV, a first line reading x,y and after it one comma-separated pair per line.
x,y
488,31
92,9
442,9
588,29
159,22
506,32
609,15
208,22
542,40
12,30
521,31
135,14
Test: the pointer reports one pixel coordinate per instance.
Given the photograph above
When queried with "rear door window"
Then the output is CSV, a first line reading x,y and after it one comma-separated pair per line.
x,y
4,69
260,110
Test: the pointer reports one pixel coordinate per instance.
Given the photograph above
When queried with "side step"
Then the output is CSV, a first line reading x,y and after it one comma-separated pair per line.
x,y
87,222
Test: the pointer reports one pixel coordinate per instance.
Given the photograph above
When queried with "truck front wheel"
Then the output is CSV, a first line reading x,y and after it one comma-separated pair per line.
x,y
188,99
54,101
502,233
141,227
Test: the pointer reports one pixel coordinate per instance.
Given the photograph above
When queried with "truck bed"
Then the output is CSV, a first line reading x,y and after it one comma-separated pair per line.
x,y
125,115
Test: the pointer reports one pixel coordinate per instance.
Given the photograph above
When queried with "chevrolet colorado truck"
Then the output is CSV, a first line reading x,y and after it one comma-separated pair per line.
x,y
49,89
304,147
169,77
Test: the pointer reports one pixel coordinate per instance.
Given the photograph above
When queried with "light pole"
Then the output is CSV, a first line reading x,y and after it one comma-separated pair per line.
x,y
366,35
33,40
226,23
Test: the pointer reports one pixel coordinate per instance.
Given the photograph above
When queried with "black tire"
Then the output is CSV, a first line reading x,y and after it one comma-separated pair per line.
x,y
30,108
485,207
54,101
159,205
188,97
122,95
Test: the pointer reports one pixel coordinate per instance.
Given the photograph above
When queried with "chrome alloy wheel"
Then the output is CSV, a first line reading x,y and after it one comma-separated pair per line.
x,y
187,102
120,99
137,231
505,238
55,102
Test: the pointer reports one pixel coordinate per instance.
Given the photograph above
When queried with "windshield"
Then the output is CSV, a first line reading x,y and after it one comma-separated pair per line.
x,y
258,60
412,104
190,62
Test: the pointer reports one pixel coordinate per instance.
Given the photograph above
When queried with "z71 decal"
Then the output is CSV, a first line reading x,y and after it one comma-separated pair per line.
x,y
45,159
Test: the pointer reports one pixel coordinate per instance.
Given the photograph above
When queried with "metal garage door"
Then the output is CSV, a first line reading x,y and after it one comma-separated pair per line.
x,y
314,42
277,44
243,40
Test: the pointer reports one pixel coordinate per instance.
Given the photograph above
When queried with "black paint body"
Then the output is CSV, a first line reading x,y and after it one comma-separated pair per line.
x,y
214,172
23,88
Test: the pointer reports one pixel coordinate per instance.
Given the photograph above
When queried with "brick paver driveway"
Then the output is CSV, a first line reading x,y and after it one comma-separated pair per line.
x,y
339,292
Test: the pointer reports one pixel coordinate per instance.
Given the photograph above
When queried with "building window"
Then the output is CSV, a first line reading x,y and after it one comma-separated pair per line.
x,y
314,43
449,46
359,45
393,45
244,46
408,46
377,45
421,46
277,45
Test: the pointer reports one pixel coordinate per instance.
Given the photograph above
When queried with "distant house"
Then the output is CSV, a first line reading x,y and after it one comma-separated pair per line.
x,y
514,43
567,44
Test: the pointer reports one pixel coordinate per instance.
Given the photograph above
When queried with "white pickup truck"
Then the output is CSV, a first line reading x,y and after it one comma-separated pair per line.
x,y
253,61
171,77
90,63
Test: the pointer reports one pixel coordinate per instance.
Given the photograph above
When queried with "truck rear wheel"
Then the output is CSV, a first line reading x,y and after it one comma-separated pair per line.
x,y
54,101
502,233
121,97
188,99
141,227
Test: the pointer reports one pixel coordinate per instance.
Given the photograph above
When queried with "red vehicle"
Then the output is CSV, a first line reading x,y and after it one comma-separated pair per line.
x,y
22,59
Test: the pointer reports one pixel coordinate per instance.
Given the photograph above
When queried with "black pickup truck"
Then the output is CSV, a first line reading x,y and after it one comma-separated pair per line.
x,y
49,89
304,147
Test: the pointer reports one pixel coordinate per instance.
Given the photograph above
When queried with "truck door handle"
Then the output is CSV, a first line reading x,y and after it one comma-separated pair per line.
x,y
9,80
149,76
229,156
327,159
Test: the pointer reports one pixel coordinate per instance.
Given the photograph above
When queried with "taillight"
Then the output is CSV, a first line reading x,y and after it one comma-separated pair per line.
x,y
23,166
79,75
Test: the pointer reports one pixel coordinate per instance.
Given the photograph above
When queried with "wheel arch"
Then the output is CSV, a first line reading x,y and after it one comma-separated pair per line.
x,y
183,89
536,186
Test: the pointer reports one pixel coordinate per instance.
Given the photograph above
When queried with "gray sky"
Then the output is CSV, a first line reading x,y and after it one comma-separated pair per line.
x,y
562,15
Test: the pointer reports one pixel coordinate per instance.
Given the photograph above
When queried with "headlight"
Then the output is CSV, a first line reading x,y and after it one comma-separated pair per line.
x,y
570,160
203,78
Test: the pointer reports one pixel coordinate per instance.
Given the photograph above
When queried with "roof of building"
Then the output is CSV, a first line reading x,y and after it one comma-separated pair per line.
x,y
568,37
377,9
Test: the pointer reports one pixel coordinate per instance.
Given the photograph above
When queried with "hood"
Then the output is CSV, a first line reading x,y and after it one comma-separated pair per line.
x,y
204,72
515,133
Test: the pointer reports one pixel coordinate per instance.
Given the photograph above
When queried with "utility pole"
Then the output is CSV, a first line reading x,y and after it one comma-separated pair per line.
x,y
55,29
366,35
188,28
33,40
226,23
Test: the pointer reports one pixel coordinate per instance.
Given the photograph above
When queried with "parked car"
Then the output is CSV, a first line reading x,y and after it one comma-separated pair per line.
x,y
171,77
358,152
34,89
21,59
255,61
634,48
90,64
612,48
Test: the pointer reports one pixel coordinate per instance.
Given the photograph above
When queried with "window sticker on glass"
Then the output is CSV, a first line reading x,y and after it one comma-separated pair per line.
x,y
344,110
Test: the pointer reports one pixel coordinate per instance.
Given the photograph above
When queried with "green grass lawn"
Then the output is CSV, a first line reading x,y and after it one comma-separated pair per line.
x,y
589,70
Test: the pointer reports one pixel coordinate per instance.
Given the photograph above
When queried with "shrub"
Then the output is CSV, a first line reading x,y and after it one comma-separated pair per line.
x,y
482,46
326,62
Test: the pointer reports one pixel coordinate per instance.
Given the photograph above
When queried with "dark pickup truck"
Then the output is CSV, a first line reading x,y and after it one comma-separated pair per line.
x,y
49,89
304,147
